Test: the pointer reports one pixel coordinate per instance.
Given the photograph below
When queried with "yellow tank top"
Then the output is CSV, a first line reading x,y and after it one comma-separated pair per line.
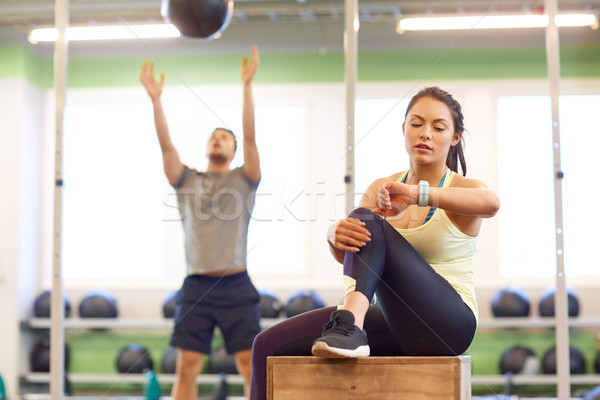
x,y
449,251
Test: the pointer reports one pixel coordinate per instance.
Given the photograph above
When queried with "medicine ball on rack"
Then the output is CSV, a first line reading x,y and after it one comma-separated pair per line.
x,y
303,301
198,18
219,361
39,357
593,394
597,362
41,305
169,304
576,361
98,304
269,304
519,360
546,304
134,359
511,302
168,363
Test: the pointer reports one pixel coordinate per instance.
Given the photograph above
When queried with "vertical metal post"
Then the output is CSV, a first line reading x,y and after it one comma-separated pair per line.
x,y
57,335
350,50
561,308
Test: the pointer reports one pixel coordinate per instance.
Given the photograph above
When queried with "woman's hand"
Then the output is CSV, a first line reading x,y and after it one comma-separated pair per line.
x,y
393,198
348,234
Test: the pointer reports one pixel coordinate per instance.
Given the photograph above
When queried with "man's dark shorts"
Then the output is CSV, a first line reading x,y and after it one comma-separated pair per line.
x,y
229,302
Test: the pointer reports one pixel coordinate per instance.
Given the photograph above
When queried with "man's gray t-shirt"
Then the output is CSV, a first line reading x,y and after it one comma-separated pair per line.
x,y
215,209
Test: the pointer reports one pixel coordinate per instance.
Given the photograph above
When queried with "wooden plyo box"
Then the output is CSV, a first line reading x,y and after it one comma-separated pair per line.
x,y
369,378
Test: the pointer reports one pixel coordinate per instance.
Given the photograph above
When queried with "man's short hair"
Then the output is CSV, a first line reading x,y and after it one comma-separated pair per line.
x,y
232,134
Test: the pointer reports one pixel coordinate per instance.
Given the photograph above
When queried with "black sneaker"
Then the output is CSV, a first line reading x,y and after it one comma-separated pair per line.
x,y
341,338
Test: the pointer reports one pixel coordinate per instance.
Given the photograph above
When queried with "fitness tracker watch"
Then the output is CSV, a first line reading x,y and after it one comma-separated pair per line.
x,y
423,193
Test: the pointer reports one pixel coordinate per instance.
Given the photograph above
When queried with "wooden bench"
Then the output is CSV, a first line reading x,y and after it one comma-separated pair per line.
x,y
369,378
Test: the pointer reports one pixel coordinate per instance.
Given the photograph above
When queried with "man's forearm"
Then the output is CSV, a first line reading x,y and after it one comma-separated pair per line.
x,y
162,129
248,122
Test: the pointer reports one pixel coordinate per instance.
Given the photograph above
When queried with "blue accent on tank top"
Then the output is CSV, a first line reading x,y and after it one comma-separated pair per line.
x,y
431,209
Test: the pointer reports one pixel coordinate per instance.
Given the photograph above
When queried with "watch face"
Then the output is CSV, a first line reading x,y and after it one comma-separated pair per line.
x,y
423,193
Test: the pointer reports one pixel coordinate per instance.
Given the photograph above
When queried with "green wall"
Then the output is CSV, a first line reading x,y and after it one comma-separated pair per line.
x,y
406,65
19,62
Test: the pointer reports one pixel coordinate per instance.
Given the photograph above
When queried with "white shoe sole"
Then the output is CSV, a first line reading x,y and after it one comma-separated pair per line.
x,y
321,349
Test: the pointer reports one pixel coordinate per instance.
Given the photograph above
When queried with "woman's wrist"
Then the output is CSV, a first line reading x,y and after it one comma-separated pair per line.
x,y
414,194
331,235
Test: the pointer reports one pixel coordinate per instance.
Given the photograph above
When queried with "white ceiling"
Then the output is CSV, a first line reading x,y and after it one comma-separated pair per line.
x,y
288,25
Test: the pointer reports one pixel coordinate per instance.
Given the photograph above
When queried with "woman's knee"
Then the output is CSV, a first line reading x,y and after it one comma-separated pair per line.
x,y
261,343
362,213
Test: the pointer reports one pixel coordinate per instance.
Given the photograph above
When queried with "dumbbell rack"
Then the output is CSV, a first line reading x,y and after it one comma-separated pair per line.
x,y
534,323
165,325
121,324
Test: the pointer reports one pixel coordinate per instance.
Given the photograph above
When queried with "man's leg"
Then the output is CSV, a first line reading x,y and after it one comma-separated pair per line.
x,y
189,364
243,362
239,322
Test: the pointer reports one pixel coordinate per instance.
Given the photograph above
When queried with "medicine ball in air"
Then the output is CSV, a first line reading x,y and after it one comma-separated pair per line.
x,y
198,18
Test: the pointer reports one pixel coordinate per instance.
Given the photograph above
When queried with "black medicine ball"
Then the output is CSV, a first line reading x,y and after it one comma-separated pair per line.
x,y
198,18
303,301
99,304
219,361
546,304
39,357
269,305
42,304
168,363
576,360
519,360
511,302
134,359
169,304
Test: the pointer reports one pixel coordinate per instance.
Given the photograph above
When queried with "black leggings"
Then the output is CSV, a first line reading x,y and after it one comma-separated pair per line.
x,y
418,312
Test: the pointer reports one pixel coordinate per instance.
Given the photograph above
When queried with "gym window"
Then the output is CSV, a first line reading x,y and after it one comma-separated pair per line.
x,y
120,220
526,184
378,134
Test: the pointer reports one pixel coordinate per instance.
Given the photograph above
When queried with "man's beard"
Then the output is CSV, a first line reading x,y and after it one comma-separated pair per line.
x,y
218,159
